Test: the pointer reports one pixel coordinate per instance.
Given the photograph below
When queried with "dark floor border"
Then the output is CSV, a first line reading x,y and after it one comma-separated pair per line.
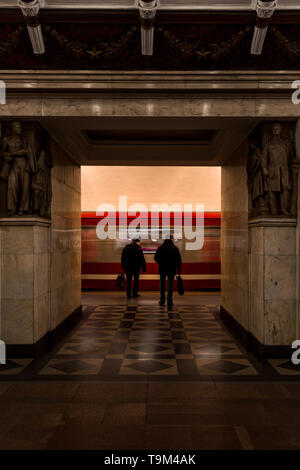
x,y
47,342
248,340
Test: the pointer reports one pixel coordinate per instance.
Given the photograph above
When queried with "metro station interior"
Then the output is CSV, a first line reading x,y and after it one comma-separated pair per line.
x,y
190,105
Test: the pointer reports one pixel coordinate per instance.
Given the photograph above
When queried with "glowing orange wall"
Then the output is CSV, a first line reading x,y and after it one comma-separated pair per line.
x,y
151,184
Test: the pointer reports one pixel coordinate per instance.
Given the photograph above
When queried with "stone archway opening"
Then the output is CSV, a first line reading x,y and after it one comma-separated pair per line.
x,y
38,303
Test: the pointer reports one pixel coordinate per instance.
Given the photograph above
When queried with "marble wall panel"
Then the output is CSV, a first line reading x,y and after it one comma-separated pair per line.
x,y
41,315
65,277
17,276
256,316
18,241
234,237
41,276
279,241
280,321
17,321
279,277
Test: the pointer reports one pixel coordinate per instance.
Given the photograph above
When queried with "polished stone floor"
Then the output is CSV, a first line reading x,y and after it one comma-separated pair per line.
x,y
149,416
139,377
140,341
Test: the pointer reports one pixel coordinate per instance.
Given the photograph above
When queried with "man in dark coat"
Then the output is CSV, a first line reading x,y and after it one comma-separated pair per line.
x,y
132,261
169,261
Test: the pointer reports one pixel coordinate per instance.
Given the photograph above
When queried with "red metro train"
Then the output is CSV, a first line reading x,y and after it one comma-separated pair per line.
x,y
201,269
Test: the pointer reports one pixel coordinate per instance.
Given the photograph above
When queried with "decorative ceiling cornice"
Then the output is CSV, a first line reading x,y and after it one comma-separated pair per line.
x,y
162,16
177,47
188,82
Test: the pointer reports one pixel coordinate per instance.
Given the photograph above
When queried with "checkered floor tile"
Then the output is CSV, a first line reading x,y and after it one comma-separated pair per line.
x,y
148,342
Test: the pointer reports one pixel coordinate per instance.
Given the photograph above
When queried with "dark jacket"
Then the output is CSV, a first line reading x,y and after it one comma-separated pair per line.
x,y
133,258
168,258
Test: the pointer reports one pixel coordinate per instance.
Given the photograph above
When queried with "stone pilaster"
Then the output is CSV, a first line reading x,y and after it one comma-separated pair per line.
x,y
272,280
25,279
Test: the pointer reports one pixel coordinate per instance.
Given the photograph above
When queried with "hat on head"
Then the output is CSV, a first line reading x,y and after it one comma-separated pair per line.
x,y
136,240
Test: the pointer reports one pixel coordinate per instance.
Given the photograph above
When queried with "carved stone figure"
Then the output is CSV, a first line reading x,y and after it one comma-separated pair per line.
x,y
256,181
19,161
41,184
25,171
272,168
276,161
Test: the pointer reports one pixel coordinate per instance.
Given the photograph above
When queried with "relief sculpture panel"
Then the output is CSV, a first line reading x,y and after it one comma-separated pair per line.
x,y
272,168
25,170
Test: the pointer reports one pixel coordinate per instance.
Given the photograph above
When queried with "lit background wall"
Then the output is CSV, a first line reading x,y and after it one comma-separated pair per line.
x,y
151,184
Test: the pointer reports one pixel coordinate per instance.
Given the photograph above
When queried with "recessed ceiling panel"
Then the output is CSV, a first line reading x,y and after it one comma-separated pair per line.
x,y
201,136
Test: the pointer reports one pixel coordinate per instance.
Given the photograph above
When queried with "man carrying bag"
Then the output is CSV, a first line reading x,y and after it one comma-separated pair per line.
x,y
168,259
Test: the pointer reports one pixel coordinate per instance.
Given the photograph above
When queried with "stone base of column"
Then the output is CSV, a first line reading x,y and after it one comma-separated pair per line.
x,y
250,343
272,283
48,341
25,279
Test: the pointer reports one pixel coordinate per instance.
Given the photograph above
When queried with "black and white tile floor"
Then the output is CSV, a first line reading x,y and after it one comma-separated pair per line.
x,y
148,343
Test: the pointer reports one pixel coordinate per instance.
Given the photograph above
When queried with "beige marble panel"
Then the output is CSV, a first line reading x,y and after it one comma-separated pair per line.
x,y
17,321
278,105
256,275
234,237
64,300
256,240
17,276
280,321
256,316
41,274
41,316
17,240
41,239
279,241
65,294
280,277
22,107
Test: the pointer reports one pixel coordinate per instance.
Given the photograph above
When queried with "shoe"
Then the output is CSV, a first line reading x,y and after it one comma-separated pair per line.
x,y
128,296
161,303
170,305
136,295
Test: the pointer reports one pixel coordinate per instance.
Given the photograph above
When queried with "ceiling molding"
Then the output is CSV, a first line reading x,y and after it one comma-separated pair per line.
x,y
149,82
12,15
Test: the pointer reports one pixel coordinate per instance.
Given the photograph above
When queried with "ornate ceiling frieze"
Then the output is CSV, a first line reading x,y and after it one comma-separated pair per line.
x,y
177,47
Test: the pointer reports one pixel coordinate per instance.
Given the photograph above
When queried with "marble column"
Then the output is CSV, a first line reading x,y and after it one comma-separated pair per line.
x,y
40,266
260,254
